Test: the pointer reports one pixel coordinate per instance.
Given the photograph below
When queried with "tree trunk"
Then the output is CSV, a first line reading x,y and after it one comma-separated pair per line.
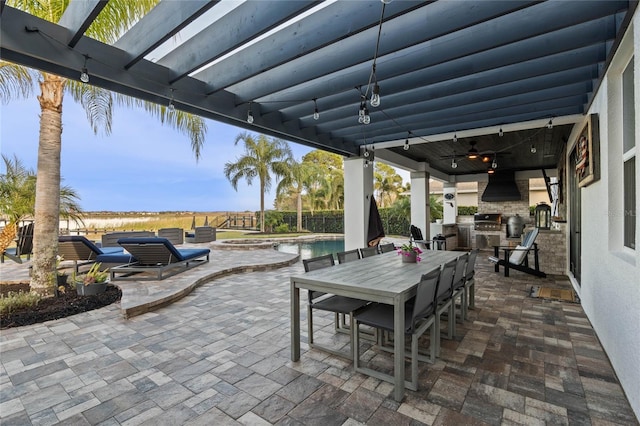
x,y
262,206
299,218
47,208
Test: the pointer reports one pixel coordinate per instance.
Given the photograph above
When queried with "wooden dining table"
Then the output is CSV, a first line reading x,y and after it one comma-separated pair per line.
x,y
383,278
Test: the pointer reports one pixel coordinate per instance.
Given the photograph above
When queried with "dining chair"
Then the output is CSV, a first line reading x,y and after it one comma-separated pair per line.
x,y
385,248
470,283
348,256
331,303
419,317
444,301
368,251
458,287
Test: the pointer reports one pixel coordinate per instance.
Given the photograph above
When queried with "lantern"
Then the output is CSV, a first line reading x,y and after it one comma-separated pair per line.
x,y
543,216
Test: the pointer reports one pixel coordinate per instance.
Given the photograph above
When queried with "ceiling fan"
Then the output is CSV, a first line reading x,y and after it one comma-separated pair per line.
x,y
474,154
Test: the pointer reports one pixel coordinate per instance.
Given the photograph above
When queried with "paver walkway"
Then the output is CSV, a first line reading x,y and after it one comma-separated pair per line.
x,y
221,356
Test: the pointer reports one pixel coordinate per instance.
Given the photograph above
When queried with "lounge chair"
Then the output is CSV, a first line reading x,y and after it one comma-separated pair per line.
x,y
84,252
111,239
416,237
175,235
24,245
517,258
201,234
157,259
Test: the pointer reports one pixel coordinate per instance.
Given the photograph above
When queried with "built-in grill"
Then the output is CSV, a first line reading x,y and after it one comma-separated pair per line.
x,y
487,221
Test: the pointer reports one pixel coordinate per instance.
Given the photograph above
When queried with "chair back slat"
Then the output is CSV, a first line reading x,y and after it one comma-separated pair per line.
x,y
459,274
385,248
530,238
368,251
315,264
77,248
471,264
318,262
348,256
425,297
25,240
416,233
446,280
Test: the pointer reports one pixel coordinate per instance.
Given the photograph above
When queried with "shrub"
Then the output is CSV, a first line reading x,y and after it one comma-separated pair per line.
x,y
281,229
467,210
14,301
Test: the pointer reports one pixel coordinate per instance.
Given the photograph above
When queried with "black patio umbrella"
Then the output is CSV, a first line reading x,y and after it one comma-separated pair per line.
x,y
376,231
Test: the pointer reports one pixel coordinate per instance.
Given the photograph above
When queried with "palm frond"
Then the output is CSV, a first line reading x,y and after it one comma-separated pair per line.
x,y
16,81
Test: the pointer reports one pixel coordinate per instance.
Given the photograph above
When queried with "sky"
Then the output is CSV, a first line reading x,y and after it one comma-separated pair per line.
x,y
142,166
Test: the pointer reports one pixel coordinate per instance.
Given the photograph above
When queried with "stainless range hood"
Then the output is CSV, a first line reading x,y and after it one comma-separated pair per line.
x,y
502,187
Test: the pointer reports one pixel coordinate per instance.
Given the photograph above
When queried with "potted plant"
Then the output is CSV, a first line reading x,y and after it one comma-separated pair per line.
x,y
93,282
409,253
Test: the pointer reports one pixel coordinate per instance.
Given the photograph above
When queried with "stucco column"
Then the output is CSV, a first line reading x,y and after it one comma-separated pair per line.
x,y
358,189
420,213
449,203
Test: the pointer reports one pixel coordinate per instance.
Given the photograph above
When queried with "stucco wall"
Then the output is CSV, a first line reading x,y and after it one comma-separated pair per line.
x,y
610,283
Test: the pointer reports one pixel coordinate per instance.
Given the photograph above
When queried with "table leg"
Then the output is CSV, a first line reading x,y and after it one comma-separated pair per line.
x,y
398,349
295,322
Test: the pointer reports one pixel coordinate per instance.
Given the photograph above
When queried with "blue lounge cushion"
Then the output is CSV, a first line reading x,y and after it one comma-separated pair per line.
x,y
179,254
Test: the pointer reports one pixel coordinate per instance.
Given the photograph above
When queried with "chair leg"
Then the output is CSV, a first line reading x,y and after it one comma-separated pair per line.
x,y
452,319
310,324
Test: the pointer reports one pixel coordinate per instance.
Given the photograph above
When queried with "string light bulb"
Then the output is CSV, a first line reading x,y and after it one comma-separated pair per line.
x,y
494,164
375,96
550,124
454,164
500,133
316,114
406,145
367,118
249,115
455,137
171,106
361,113
84,74
533,149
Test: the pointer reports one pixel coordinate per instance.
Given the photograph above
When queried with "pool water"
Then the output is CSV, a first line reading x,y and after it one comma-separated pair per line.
x,y
308,250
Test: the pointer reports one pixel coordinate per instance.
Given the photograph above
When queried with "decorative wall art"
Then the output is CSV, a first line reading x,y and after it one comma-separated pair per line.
x,y
587,152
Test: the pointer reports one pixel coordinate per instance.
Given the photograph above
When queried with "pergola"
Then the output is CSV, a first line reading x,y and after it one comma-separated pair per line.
x,y
504,74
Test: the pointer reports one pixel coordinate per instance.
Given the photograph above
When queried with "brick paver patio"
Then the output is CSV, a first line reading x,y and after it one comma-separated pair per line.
x,y
221,356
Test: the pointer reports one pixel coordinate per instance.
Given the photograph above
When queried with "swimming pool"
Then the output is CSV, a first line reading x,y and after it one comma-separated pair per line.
x,y
310,249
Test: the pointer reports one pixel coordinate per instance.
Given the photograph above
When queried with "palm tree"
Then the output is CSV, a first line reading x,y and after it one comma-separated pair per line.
x,y
262,157
18,197
114,19
388,183
293,182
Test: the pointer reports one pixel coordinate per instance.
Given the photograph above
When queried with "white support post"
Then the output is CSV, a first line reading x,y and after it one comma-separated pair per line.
x,y
358,190
420,209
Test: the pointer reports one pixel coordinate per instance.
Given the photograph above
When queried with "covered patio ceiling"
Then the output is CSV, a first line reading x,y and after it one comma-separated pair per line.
x,y
449,72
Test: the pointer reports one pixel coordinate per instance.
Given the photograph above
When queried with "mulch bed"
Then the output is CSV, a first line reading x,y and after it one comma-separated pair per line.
x,y
52,308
